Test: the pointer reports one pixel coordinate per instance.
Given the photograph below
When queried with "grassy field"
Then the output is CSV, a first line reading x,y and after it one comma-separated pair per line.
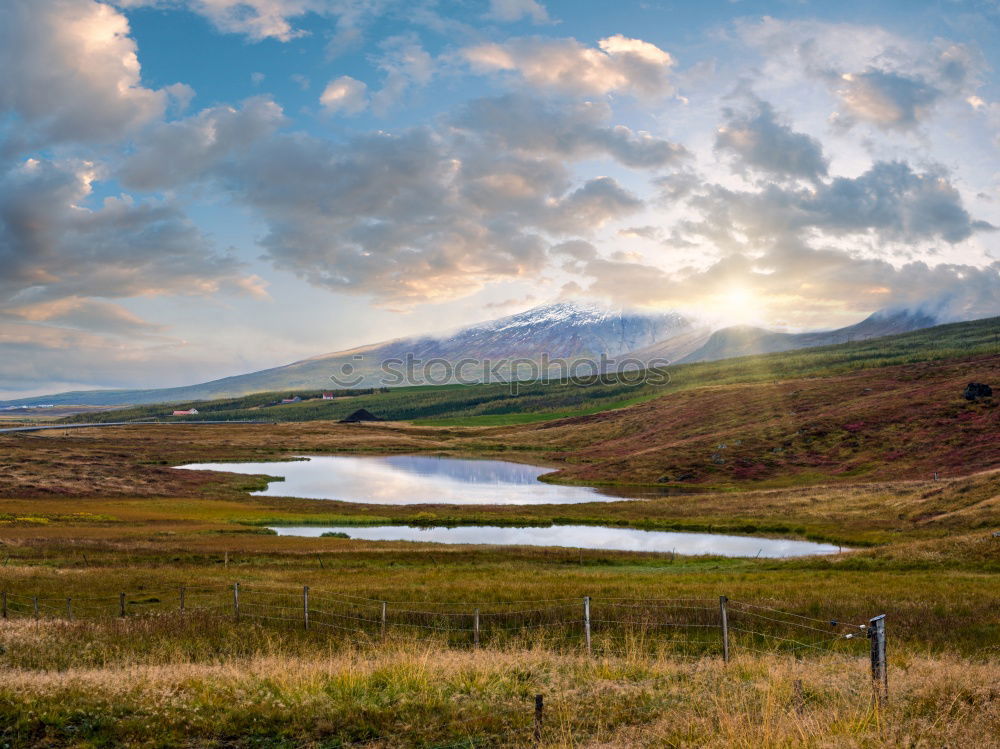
x,y
832,452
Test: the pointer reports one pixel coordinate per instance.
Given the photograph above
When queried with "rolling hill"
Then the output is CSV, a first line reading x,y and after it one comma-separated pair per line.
x,y
577,334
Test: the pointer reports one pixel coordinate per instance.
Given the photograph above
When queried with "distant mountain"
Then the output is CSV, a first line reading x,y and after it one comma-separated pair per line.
x,y
746,340
572,332
568,331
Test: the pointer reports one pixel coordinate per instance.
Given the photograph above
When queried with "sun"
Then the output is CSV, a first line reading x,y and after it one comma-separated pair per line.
x,y
734,305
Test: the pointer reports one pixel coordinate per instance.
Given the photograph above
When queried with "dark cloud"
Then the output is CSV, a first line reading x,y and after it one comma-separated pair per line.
x,y
760,142
890,201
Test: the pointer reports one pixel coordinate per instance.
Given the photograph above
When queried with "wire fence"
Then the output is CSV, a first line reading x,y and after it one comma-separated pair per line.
x,y
691,628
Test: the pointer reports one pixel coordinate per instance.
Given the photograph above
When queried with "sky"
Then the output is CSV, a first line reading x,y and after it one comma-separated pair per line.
x,y
191,189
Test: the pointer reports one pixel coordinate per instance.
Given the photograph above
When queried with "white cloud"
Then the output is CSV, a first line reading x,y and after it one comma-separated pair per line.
x,y
344,94
514,10
405,63
619,64
877,77
70,73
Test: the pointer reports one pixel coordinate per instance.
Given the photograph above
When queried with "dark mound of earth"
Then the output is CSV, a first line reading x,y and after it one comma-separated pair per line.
x,y
362,414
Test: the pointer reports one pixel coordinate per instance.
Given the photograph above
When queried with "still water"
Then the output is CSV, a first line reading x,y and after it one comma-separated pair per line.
x,y
580,536
411,479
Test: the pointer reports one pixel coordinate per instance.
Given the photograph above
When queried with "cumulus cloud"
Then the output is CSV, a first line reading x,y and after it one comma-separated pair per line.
x,y
758,141
889,202
878,77
344,94
567,129
71,74
618,64
413,217
423,214
514,10
886,99
53,246
173,153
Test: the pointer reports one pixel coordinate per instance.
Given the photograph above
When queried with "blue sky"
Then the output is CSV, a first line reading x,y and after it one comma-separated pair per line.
x,y
196,188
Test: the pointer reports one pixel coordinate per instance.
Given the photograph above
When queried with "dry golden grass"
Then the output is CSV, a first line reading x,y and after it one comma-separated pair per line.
x,y
258,689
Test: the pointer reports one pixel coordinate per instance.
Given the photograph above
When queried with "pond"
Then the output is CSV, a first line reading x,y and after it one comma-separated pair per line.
x,y
580,536
411,479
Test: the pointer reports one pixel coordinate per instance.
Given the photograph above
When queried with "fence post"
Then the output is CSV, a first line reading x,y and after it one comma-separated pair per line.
x,y
4,604
69,609
724,624
880,670
236,601
475,628
539,706
34,603
182,598
383,619
305,606
586,621
121,605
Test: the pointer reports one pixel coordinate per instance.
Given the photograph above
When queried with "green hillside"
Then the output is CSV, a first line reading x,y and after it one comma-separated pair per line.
x,y
503,403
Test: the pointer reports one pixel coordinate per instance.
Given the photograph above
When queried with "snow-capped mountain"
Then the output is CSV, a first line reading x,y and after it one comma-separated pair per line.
x,y
565,331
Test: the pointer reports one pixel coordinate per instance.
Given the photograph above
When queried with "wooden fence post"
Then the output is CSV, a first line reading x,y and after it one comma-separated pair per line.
x,y
305,606
236,601
34,603
586,622
724,624
4,604
121,605
880,670
383,619
69,609
475,628
539,707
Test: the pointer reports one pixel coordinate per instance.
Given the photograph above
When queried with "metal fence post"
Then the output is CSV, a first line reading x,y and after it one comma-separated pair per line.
x,y
305,606
724,625
586,622
880,669
383,618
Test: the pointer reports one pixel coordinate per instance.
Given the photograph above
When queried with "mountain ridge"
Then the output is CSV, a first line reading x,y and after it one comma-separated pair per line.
x,y
567,331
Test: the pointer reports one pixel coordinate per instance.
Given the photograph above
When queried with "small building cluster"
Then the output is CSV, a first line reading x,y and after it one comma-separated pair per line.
x,y
188,412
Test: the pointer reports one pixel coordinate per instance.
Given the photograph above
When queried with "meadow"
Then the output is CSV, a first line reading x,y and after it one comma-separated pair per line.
x,y
888,461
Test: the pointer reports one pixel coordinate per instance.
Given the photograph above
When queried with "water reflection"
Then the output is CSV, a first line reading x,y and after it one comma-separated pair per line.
x,y
581,536
411,479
